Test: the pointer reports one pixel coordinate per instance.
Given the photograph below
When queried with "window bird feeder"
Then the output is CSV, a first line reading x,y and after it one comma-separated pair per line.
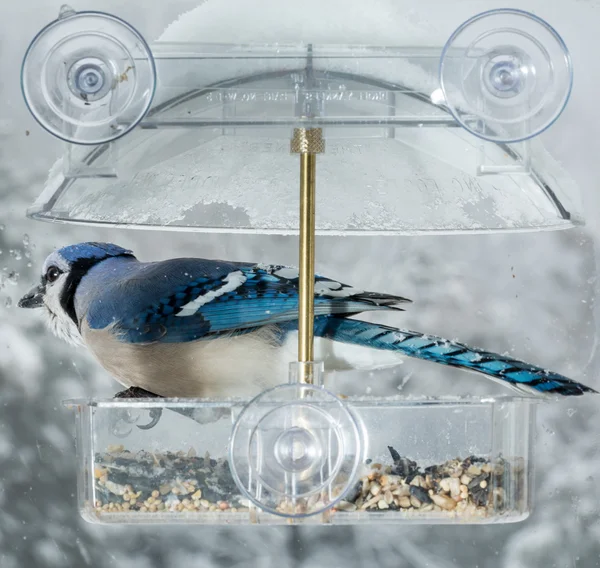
x,y
400,140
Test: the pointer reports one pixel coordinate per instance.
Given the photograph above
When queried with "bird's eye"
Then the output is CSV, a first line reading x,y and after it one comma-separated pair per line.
x,y
52,274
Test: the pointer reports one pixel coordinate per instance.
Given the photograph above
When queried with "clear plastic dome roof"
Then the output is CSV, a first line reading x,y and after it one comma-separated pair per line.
x,y
411,145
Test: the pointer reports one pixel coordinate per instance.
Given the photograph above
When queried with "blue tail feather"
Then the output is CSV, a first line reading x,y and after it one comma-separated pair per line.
x,y
519,375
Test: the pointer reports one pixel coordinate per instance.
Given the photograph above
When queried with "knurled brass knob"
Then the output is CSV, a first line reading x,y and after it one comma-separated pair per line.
x,y
307,141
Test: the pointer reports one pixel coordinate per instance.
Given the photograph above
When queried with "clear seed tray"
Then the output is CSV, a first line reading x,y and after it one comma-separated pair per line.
x,y
450,461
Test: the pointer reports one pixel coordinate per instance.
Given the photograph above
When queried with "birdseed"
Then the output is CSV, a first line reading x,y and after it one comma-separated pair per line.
x,y
183,482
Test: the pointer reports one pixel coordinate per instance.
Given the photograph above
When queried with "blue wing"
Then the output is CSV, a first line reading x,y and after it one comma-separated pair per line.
x,y
238,299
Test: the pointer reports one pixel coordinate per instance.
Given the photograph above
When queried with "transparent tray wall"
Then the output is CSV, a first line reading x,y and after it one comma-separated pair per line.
x,y
179,471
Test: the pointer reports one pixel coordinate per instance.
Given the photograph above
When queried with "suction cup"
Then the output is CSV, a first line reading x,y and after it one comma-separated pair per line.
x,y
506,75
88,77
295,450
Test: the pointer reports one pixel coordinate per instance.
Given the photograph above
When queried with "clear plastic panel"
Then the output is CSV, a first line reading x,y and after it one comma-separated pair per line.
x,y
212,154
430,461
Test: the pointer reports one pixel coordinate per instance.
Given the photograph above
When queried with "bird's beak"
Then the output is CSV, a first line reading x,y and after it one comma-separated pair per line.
x,y
34,298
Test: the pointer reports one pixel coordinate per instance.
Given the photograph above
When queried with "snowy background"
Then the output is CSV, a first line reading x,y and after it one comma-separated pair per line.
x,y
536,296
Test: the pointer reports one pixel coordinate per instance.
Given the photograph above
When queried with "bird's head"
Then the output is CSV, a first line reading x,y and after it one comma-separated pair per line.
x,y
61,274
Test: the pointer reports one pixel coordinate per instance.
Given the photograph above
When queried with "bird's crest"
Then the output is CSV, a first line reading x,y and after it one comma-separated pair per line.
x,y
92,251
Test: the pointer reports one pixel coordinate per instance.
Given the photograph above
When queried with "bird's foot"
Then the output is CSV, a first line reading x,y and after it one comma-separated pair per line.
x,y
137,392
155,414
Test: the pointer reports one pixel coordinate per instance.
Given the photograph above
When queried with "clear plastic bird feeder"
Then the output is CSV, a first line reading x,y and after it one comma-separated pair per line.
x,y
196,137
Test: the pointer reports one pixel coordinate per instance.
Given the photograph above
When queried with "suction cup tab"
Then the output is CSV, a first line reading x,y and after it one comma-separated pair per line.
x,y
506,75
88,77
295,450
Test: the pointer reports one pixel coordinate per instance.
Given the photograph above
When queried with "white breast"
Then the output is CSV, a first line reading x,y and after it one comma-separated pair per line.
x,y
225,367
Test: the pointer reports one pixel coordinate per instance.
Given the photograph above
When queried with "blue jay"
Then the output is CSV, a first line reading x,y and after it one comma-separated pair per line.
x,y
191,327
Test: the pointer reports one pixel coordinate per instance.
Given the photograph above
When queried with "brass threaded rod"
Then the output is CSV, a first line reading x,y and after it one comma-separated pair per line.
x,y
306,311
308,143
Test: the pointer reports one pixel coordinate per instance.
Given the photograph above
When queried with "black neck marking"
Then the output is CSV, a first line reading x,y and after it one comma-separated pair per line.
x,y
78,270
